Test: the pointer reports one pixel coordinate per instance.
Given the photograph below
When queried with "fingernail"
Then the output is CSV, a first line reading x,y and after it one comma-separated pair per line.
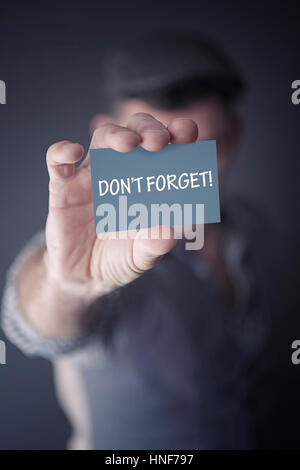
x,y
66,170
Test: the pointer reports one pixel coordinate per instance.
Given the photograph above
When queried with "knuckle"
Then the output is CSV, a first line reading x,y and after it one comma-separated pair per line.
x,y
135,120
96,133
113,130
142,115
145,125
126,141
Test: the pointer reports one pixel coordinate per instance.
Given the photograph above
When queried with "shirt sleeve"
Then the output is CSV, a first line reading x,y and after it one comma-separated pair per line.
x,y
19,331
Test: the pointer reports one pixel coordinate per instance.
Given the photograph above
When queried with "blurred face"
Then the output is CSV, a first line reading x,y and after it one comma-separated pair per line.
x,y
213,121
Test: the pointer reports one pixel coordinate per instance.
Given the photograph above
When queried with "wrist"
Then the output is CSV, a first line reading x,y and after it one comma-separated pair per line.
x,y
85,290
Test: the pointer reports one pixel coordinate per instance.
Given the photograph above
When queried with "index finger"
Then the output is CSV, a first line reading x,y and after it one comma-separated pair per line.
x,y
112,136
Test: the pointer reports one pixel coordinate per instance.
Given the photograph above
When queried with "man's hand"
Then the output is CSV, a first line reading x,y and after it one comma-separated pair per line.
x,y
57,284
74,253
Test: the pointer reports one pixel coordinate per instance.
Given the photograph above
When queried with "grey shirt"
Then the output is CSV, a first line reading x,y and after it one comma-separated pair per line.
x,y
166,364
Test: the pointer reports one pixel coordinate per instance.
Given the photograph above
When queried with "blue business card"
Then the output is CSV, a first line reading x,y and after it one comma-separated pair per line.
x,y
140,189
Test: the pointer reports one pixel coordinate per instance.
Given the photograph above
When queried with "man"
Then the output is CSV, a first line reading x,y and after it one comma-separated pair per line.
x,y
153,346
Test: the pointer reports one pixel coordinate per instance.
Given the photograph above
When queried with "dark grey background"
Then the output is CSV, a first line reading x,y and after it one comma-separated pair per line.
x,y
49,59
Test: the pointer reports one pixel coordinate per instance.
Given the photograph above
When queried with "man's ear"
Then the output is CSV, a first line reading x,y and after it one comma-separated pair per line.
x,y
98,120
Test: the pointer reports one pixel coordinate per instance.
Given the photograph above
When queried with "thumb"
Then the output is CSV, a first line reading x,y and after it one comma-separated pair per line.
x,y
61,159
147,250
